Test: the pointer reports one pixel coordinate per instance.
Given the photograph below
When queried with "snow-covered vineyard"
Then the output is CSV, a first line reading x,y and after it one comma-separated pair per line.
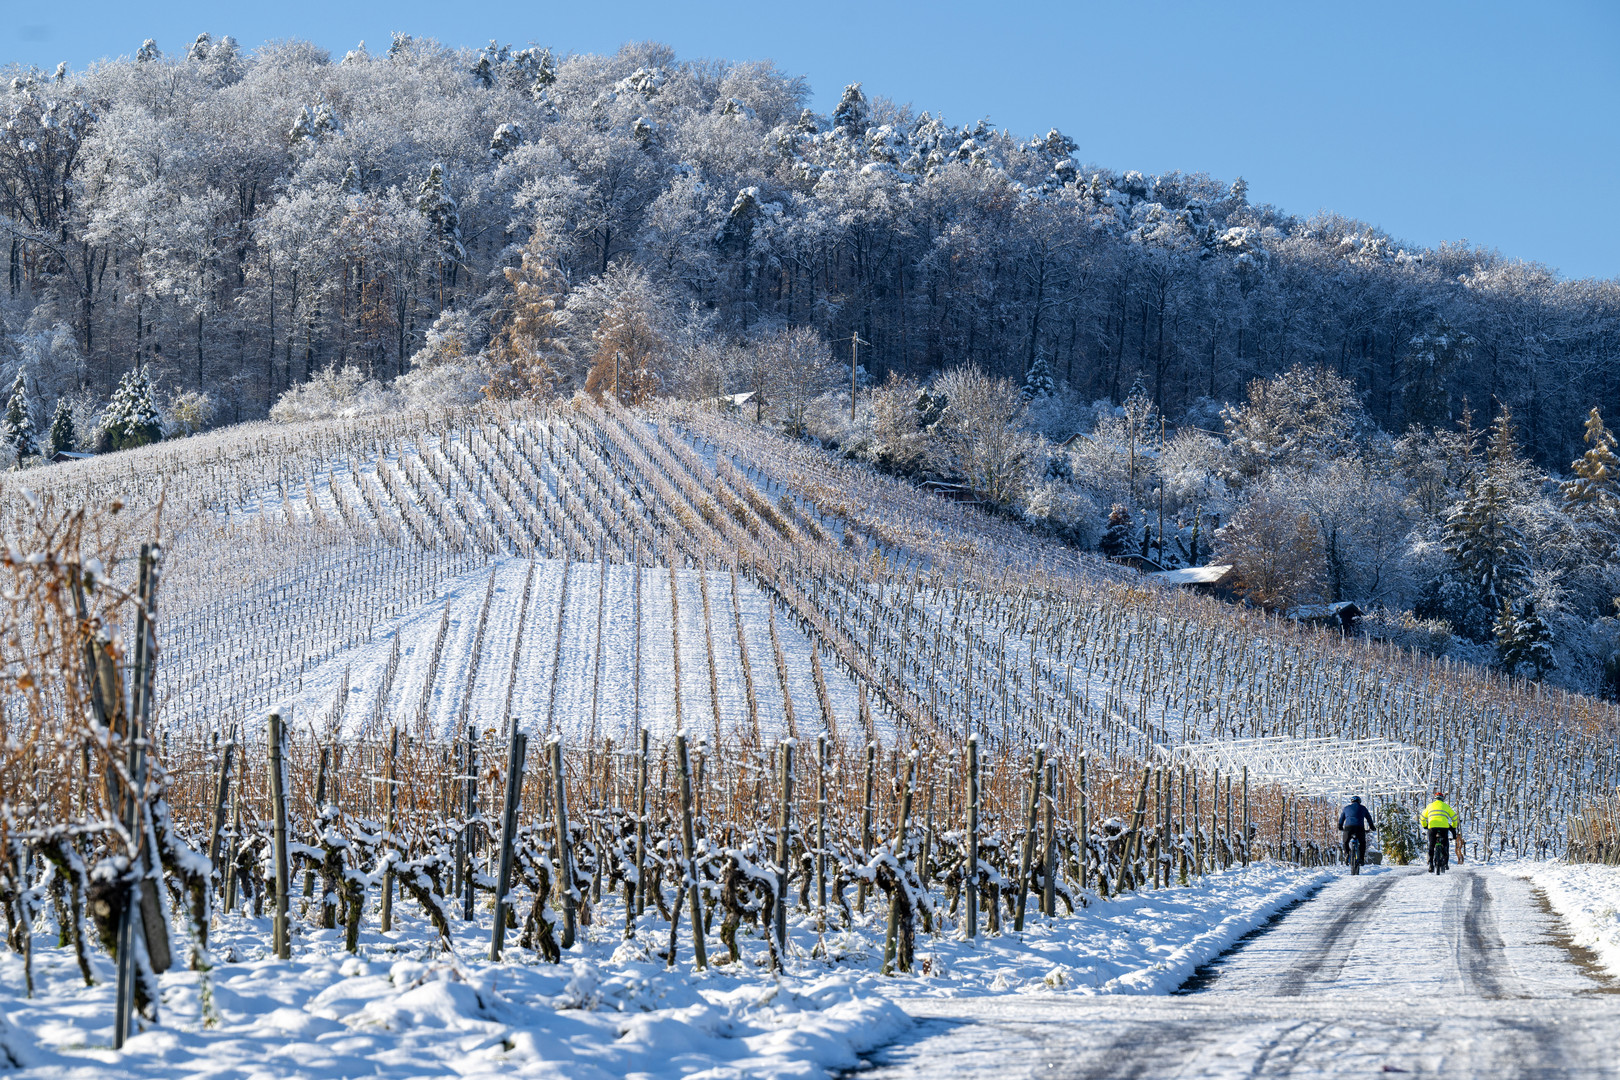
x,y
568,567
695,703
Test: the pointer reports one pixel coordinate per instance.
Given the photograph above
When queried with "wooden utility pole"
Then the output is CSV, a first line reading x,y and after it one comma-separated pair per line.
x,y
855,344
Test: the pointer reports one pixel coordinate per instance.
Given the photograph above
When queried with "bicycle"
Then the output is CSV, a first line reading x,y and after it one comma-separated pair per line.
x,y
1357,854
1440,856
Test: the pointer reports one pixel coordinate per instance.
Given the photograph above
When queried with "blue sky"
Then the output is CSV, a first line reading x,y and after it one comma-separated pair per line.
x,y
1491,122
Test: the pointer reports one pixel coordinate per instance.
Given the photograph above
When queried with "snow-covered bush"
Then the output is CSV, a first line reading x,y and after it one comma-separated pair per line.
x,y
1065,510
188,413
333,393
1407,631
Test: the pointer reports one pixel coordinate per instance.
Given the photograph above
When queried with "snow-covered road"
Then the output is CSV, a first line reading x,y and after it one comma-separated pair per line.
x,y
1466,975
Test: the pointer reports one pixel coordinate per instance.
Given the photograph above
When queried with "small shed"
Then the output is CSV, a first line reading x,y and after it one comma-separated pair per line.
x,y
738,402
1341,616
69,455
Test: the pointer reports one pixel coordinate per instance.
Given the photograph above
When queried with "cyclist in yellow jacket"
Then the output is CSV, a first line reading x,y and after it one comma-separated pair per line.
x,y
1441,821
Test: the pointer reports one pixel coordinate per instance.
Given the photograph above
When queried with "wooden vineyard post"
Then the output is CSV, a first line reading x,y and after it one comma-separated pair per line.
x,y
221,796
822,768
891,936
565,861
689,845
641,834
469,833
1085,823
516,752
136,917
1245,816
783,839
1049,863
1198,834
315,825
970,881
278,812
866,824
1228,860
230,849
1282,830
1030,821
1181,832
1133,845
387,910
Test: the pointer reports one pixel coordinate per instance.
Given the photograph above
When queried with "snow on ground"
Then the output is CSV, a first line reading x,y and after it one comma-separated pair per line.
x,y
404,1008
1587,895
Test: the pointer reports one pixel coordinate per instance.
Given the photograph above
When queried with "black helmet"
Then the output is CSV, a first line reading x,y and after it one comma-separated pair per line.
x,y
1355,798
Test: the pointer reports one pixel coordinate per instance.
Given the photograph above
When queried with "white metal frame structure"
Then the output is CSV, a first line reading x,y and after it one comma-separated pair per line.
x,y
1325,768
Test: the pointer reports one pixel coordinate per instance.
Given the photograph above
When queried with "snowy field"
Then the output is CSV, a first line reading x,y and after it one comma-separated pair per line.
x,y
404,1008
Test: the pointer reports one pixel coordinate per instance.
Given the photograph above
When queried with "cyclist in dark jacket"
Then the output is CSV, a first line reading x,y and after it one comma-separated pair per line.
x,y
1354,821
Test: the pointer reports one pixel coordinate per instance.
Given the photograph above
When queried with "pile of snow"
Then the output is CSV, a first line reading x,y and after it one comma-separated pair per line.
x,y
405,1006
1588,898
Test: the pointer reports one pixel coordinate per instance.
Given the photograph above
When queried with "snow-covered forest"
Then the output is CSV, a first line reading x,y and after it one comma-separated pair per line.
x,y
1149,365
240,221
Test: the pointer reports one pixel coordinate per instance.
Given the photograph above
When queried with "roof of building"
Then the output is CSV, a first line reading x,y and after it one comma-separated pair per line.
x,y
1193,575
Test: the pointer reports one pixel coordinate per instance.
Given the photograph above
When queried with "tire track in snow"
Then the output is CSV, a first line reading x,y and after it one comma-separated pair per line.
x,y
1338,940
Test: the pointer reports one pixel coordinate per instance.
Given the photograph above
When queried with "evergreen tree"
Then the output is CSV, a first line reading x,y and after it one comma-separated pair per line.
x,y
131,418
1487,554
62,436
1597,472
1116,540
19,424
1038,380
1524,640
850,115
